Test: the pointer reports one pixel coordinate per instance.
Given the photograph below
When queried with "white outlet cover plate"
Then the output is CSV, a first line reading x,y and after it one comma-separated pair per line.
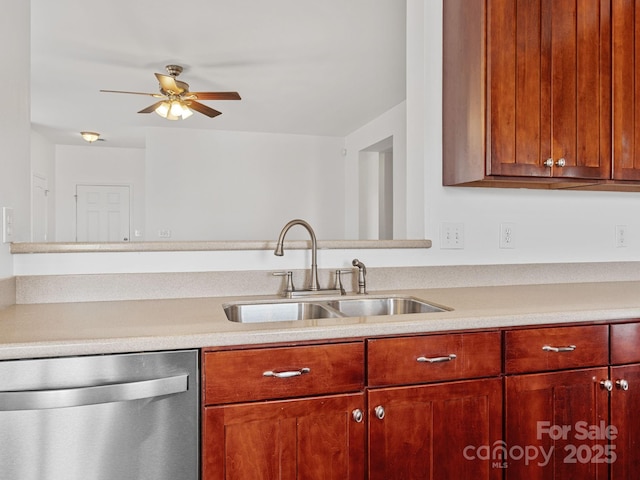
x,y
507,235
7,224
452,236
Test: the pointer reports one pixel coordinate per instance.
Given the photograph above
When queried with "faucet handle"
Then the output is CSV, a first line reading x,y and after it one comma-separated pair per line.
x,y
339,280
289,289
362,273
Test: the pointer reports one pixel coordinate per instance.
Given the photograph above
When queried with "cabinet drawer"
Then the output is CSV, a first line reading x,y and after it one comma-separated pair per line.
x,y
557,348
282,372
625,339
433,358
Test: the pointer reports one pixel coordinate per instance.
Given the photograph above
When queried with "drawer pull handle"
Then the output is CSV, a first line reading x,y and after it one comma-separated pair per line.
x,y
287,374
568,348
448,358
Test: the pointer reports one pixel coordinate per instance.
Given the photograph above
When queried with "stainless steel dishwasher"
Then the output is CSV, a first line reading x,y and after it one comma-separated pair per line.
x,y
106,417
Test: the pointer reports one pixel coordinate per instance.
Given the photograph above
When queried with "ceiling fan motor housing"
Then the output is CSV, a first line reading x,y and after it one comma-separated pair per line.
x,y
174,70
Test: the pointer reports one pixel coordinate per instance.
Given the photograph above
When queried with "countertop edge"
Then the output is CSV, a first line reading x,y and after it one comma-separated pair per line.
x,y
219,245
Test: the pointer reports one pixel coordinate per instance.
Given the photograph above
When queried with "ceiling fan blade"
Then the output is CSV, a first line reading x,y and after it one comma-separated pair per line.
x,y
168,84
216,95
199,107
151,108
133,93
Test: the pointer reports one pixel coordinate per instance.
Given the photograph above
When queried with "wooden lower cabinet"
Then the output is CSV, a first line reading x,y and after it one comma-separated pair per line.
x,y
625,417
540,403
550,419
307,439
435,431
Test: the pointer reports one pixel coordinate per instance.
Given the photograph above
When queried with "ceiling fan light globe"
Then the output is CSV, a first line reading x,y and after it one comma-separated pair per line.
x,y
176,109
163,109
186,112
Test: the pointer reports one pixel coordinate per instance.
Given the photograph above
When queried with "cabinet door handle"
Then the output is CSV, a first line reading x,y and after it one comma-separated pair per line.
x,y
568,348
622,385
548,162
607,385
379,411
561,162
448,358
358,416
287,374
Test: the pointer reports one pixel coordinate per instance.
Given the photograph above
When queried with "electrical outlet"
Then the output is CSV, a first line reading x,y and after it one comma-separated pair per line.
x,y
622,238
7,224
507,235
452,236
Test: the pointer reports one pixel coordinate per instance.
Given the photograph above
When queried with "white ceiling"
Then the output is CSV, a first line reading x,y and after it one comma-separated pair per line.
x,y
319,67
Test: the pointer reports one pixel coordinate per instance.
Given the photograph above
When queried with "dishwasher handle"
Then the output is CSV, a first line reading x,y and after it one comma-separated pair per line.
x,y
108,393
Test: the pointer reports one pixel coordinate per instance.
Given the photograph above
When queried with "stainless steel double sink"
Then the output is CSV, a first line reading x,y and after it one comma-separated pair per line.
x,y
291,310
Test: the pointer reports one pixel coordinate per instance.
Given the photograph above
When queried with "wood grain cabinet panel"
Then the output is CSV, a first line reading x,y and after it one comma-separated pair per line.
x,y
625,343
313,439
625,417
626,89
282,372
547,415
422,359
434,432
527,93
556,348
625,399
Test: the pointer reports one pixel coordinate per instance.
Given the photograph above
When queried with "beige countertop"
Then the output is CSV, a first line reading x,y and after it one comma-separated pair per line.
x,y
55,329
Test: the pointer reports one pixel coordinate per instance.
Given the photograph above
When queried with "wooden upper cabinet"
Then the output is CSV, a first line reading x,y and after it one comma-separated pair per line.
x,y
541,70
626,89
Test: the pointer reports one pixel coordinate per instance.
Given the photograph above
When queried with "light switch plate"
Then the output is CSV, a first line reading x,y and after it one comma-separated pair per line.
x,y
7,224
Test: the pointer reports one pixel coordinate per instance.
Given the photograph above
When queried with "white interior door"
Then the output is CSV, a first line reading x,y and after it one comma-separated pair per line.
x,y
102,213
39,209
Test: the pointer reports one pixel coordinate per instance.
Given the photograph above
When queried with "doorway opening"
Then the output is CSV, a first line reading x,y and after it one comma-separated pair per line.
x,y
375,172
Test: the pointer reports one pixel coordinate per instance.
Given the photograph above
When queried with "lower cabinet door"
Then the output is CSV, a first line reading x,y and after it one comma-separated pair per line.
x,y
437,431
321,438
556,425
625,417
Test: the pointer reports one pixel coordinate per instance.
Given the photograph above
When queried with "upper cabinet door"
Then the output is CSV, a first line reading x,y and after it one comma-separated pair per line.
x,y
626,89
519,93
549,88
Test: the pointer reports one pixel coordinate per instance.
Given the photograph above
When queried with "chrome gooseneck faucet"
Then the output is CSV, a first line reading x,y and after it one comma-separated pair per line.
x,y
279,251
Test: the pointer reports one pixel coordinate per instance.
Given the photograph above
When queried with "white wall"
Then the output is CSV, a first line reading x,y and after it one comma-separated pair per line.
x,y
95,164
550,226
43,161
222,185
14,124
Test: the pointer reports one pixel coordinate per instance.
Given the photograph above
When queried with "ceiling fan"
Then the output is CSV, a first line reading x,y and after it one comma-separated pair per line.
x,y
177,101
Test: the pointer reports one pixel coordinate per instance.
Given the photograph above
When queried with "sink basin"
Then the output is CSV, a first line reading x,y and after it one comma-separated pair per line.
x,y
370,306
277,312
283,311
